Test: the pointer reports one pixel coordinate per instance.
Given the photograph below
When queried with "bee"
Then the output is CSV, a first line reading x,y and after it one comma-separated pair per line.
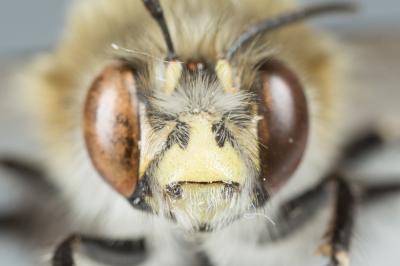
x,y
196,133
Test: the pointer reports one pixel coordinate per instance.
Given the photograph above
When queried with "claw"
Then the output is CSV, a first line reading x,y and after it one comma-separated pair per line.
x,y
342,258
325,250
338,258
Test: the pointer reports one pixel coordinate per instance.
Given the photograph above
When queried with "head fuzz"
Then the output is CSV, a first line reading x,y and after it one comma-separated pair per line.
x,y
223,71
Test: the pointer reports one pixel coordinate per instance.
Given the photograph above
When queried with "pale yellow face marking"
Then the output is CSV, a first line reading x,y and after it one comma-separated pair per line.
x,y
172,75
203,160
225,75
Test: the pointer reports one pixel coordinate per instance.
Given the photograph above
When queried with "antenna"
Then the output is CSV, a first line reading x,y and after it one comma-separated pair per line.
x,y
156,11
275,23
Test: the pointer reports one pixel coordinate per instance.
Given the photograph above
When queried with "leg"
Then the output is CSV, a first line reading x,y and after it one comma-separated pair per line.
x,y
21,167
297,211
203,259
27,172
64,253
362,145
29,190
377,191
340,233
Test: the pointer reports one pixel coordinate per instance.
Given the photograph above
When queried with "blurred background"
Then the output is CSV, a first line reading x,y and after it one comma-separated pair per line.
x,y
373,40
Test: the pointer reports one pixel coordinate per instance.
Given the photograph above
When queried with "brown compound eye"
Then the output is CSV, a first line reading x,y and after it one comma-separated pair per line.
x,y
283,129
111,127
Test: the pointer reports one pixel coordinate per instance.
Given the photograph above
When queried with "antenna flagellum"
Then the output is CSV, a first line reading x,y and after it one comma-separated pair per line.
x,y
156,11
278,22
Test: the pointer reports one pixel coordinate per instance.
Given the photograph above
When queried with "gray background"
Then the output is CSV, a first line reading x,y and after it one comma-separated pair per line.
x,y
30,26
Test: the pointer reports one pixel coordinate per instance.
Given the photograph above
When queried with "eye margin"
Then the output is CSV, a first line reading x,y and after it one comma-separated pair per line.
x,y
282,141
111,126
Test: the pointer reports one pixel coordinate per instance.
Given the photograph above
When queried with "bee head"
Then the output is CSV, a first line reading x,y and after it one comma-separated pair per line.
x,y
190,140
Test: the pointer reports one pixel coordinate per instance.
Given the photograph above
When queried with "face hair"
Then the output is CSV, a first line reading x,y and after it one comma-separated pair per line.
x,y
179,135
271,24
155,9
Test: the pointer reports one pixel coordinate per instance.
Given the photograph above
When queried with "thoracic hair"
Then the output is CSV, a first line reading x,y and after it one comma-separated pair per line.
x,y
200,30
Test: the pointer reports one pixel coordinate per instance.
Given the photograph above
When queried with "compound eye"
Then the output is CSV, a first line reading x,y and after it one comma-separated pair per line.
x,y
112,130
283,129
